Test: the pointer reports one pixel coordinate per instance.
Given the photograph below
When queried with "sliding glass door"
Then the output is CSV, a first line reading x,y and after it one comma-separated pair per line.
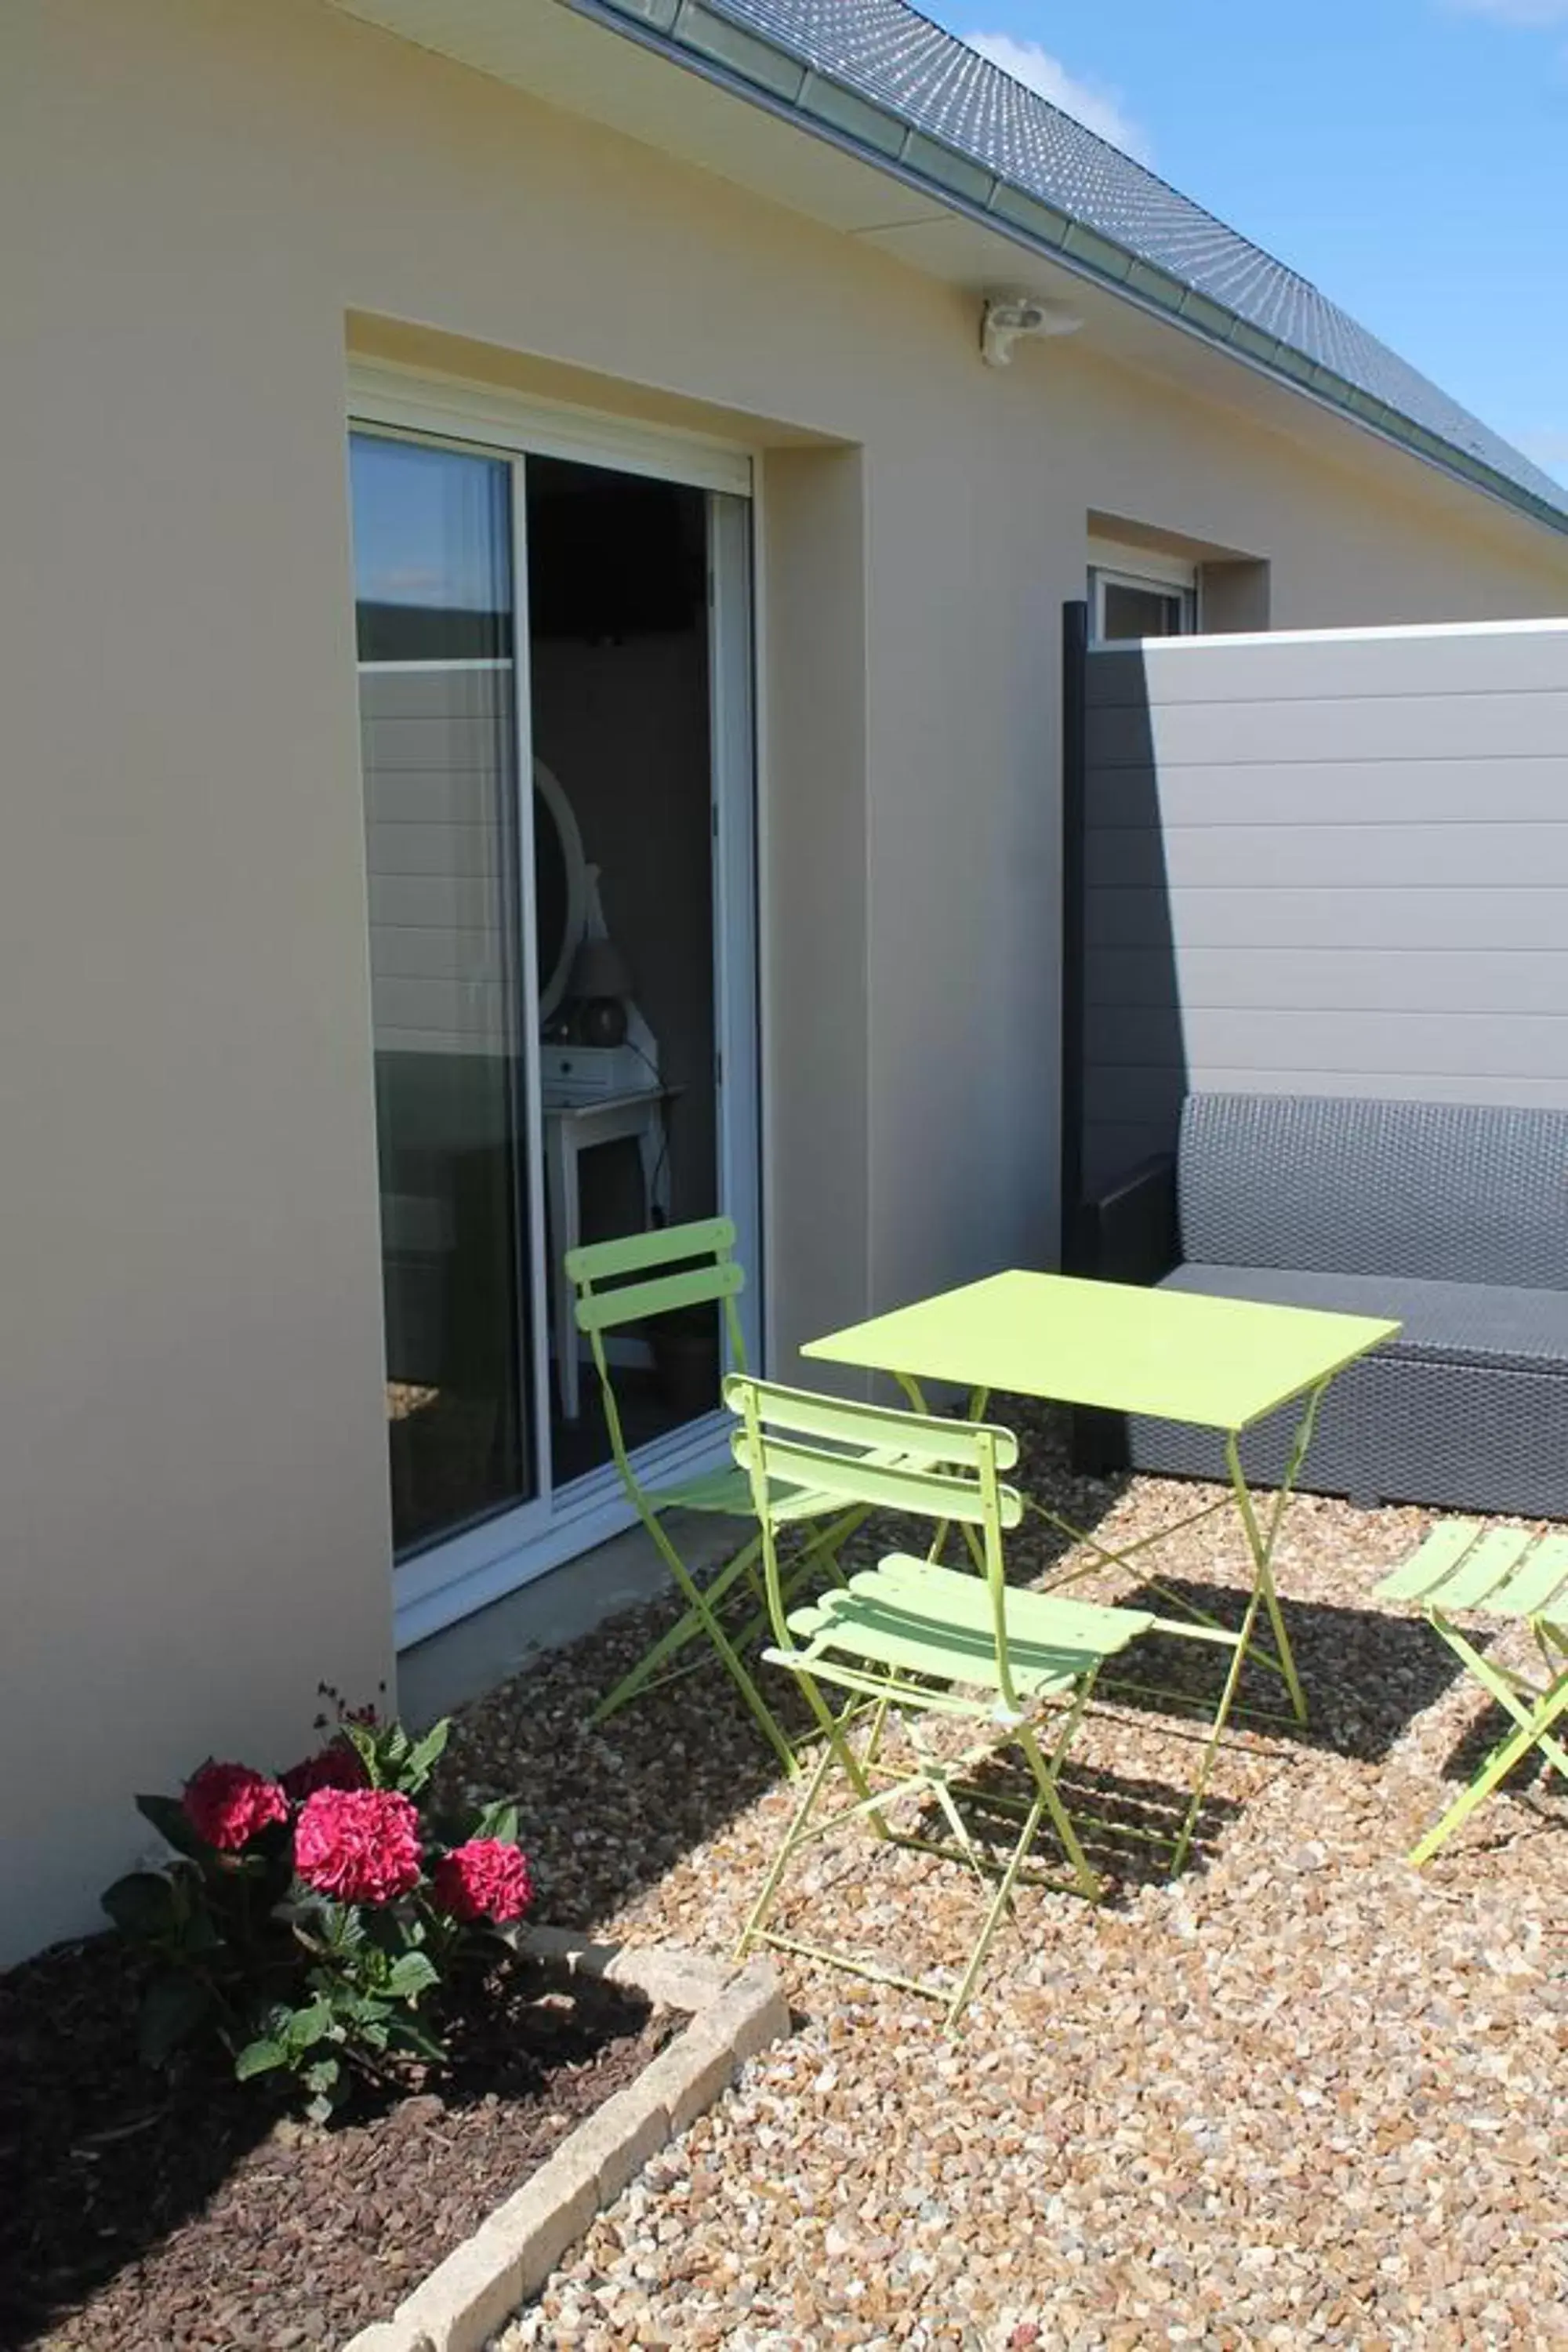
x,y
435,608
561,975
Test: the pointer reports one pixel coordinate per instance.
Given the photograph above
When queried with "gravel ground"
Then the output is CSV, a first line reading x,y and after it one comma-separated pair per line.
x,y
1304,2095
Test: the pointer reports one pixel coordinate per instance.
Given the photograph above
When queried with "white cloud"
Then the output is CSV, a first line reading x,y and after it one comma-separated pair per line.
x,y
1516,12
1097,110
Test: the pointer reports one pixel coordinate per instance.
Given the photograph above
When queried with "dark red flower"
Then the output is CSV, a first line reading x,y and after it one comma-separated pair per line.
x,y
334,1766
359,1845
228,1805
486,1879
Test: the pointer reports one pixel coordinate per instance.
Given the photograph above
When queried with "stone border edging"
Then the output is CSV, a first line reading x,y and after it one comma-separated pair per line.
x,y
478,2286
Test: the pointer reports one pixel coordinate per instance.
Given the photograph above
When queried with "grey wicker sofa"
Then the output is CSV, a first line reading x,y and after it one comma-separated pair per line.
x,y
1452,1217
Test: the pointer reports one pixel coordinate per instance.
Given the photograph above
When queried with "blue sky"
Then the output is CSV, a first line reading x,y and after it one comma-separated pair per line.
x,y
1409,156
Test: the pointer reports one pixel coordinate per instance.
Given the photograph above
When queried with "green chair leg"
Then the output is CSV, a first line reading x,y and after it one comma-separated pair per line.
x,y
620,1285
1533,1729
689,1627
1498,1571
914,1640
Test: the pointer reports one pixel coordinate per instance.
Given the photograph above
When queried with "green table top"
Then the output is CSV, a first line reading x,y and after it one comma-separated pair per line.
x,y
1221,1363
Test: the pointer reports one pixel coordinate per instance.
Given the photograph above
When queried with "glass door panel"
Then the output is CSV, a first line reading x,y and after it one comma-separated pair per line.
x,y
619,668
436,606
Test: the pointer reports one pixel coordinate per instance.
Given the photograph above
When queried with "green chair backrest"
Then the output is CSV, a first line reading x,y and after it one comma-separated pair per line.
x,y
884,1459
639,1275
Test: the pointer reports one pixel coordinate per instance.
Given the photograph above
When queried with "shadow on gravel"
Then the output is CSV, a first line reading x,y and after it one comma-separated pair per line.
x,y
1127,1823
1488,1732
1366,1675
609,1812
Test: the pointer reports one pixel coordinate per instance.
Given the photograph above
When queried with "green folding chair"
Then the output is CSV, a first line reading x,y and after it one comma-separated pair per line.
x,y
618,1284
1504,1572
910,1638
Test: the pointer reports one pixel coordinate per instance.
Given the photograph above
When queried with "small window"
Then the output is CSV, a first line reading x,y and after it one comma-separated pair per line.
x,y
1122,607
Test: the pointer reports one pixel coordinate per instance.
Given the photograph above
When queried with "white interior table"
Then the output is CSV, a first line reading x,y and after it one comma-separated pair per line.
x,y
574,1125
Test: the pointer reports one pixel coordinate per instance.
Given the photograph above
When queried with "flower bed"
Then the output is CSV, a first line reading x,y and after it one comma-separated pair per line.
x,y
169,2210
313,2062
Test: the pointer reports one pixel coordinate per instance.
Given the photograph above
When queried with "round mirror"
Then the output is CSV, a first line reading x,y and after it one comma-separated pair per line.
x,y
560,886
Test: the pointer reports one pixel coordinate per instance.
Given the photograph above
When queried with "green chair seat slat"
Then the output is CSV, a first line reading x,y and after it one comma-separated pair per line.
x,y
633,1253
1506,1571
1476,1582
923,1639
730,1492
1441,1553
937,1620
866,1629
1537,1582
1038,1616
725,1491
881,1481
932,1437
634,1302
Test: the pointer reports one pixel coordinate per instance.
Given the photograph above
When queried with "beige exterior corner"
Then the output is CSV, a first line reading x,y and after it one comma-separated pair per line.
x,y
210,201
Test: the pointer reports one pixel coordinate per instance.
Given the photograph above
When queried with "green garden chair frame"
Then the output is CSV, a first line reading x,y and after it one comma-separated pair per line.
x,y
1496,1572
619,1284
912,1638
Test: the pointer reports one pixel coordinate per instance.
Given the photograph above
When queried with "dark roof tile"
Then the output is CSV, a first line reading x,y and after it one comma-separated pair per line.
x,y
886,52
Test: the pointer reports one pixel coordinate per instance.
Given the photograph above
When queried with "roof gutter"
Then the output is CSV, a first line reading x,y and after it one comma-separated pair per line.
x,y
736,59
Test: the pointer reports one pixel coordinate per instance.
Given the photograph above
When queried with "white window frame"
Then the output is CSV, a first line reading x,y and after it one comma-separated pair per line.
x,y
448,408
451,1579
1184,586
1120,564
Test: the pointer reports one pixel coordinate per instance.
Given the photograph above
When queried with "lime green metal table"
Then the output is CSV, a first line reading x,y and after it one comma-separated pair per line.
x,y
1219,1363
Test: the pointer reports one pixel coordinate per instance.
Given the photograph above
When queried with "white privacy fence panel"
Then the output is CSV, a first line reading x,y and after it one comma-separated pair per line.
x,y
1330,863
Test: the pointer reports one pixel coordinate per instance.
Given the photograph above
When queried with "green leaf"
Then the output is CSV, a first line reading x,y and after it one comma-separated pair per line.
x,y
169,1818
409,2034
142,1905
172,2007
199,1934
413,1974
363,1744
359,2009
424,1757
259,2058
306,2027
498,1820
372,1966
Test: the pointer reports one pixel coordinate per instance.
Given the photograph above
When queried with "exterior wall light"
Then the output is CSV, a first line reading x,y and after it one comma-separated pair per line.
x,y
1005,316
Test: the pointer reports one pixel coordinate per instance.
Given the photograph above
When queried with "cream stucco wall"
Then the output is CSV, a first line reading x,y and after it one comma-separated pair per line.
x,y
200,195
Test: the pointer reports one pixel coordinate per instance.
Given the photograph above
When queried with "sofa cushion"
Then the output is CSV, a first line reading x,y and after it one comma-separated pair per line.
x,y
1434,1191
1493,1325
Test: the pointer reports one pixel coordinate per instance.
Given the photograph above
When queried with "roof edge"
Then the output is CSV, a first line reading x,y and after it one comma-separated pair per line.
x,y
737,57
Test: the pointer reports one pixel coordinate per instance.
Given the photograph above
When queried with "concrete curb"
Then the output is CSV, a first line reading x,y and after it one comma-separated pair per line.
x,y
734,2014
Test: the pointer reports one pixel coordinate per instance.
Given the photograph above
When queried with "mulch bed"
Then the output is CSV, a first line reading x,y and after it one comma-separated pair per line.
x,y
145,2213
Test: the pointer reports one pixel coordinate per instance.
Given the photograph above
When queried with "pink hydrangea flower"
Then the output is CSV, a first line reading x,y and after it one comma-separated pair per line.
x,y
358,1845
228,1805
486,1879
334,1766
